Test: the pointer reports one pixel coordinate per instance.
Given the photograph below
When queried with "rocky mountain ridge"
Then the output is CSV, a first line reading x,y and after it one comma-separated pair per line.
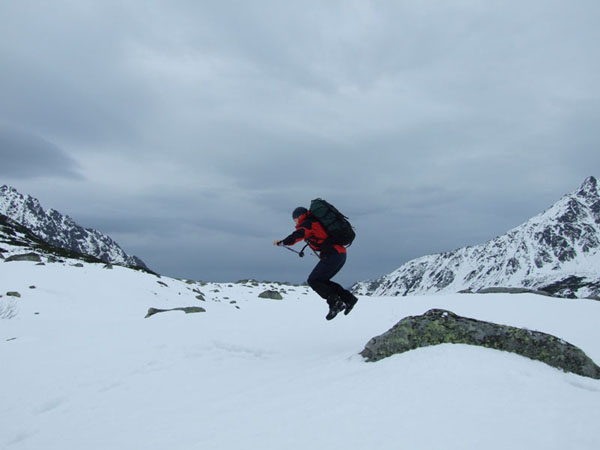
x,y
62,231
557,251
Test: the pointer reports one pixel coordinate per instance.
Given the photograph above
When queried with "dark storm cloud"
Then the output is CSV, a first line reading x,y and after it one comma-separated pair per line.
x,y
24,155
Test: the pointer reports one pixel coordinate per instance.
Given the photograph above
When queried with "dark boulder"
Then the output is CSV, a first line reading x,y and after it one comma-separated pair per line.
x,y
512,290
438,326
24,257
185,309
273,295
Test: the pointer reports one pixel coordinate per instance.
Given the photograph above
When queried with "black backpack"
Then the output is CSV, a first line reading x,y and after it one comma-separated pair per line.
x,y
335,223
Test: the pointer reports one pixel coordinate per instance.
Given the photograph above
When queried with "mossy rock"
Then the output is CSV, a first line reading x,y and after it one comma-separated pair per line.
x,y
185,309
438,326
273,295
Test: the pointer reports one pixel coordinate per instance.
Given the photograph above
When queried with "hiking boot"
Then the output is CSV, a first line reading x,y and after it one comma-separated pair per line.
x,y
334,309
349,303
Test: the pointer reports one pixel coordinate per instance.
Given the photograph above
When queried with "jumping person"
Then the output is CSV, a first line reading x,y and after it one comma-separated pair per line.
x,y
332,258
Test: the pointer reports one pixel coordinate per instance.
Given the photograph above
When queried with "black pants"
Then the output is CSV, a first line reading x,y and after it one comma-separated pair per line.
x,y
320,278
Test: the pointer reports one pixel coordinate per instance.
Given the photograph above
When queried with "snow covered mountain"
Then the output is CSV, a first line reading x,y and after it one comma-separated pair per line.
x,y
62,231
557,251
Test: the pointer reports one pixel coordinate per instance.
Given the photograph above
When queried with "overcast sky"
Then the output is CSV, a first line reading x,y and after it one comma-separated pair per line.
x,y
188,131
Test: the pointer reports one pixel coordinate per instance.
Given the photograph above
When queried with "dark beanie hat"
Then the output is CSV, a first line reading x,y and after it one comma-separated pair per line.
x,y
299,211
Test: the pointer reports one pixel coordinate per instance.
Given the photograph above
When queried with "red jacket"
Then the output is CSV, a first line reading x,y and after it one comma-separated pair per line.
x,y
310,230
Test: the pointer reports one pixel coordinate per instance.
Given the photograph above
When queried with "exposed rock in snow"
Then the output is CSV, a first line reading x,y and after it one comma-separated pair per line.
x,y
185,309
272,295
437,326
32,256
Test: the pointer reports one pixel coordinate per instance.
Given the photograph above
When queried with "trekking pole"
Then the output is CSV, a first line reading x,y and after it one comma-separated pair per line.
x,y
299,253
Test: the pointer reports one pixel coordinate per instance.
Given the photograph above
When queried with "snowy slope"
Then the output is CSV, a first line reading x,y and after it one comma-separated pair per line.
x,y
61,231
83,369
558,251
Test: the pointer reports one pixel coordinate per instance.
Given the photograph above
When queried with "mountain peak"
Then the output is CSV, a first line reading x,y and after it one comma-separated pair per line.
x,y
591,180
557,251
589,189
61,231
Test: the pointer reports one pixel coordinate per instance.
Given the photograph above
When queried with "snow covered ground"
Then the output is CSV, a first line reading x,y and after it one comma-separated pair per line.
x,y
81,368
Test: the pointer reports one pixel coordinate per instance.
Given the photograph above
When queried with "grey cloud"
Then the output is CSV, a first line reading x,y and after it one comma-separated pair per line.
x,y
432,126
65,73
25,155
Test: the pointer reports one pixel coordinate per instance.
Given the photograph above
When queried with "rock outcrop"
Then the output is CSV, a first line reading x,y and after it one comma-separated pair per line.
x,y
272,295
185,309
438,326
32,256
